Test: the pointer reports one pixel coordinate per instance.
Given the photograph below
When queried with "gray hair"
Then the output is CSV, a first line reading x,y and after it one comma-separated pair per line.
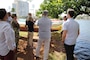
x,y
45,12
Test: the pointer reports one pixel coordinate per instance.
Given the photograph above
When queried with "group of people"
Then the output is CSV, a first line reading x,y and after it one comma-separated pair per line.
x,y
76,43
44,24
70,33
9,35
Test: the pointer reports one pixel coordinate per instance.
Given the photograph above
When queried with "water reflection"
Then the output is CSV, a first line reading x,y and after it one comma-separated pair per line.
x,y
84,29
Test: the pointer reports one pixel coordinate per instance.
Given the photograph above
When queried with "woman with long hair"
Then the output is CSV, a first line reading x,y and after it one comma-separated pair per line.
x,y
30,28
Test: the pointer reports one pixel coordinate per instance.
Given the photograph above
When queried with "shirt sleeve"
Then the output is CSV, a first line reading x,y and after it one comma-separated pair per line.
x,y
26,22
10,38
64,26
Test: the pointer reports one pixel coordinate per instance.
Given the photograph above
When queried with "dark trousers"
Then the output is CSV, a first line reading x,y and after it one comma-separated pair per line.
x,y
69,51
9,56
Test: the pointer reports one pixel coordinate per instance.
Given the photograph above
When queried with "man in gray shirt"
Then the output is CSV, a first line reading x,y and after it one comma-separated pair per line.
x,y
70,34
44,24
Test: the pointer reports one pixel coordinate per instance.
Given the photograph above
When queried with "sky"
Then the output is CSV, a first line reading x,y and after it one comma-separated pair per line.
x,y
7,4
36,3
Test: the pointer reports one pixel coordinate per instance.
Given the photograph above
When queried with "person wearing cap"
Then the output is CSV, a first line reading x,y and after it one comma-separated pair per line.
x,y
70,33
44,24
7,38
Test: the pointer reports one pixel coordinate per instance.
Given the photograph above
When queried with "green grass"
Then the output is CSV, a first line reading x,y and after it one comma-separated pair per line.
x,y
23,34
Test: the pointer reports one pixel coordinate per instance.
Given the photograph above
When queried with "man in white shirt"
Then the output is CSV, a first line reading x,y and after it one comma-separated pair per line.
x,y
7,38
44,35
70,34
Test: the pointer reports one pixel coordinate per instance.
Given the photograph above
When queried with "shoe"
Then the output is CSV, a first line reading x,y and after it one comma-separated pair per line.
x,y
37,58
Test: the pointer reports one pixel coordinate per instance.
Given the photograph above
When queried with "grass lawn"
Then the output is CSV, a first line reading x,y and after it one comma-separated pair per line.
x,y
24,33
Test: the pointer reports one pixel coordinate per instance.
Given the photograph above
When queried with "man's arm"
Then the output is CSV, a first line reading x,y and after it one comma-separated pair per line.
x,y
64,35
26,25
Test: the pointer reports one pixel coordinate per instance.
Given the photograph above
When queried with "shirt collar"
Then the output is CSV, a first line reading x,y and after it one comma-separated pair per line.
x,y
70,19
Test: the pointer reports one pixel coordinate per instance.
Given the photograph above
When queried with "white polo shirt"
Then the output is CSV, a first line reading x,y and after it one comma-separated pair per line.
x,y
7,38
44,28
72,28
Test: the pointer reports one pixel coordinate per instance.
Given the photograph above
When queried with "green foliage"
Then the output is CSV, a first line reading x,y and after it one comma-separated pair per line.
x,y
56,7
52,6
80,6
13,10
38,13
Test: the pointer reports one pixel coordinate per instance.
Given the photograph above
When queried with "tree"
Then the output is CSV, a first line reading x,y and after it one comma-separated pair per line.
x,y
85,6
52,6
77,5
13,10
56,7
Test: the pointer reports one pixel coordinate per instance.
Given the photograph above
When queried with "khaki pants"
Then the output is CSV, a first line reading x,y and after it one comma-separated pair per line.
x,y
30,39
46,48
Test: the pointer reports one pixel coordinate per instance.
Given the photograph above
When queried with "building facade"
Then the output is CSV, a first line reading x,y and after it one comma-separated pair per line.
x,y
21,8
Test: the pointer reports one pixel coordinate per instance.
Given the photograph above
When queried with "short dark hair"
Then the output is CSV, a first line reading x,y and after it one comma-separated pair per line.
x,y
2,13
29,14
9,14
14,15
70,12
65,17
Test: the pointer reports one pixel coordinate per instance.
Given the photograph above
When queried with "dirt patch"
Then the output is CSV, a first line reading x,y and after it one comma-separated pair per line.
x,y
26,53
